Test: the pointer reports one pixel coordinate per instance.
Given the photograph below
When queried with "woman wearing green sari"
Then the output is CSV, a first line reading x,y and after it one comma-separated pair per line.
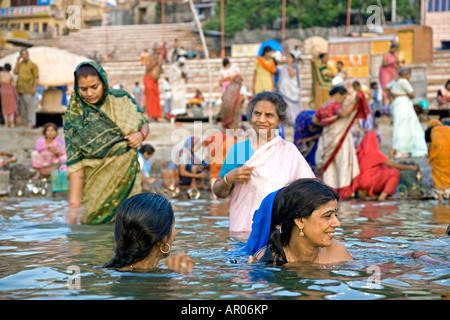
x,y
102,128
322,81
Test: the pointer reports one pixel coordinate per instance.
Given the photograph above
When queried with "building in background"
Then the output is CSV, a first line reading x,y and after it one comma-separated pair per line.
x,y
436,14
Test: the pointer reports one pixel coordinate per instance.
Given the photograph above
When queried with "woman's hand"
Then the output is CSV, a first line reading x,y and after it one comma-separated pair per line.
x,y
241,174
180,263
135,139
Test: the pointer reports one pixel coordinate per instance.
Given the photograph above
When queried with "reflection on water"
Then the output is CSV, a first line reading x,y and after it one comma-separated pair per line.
x,y
37,248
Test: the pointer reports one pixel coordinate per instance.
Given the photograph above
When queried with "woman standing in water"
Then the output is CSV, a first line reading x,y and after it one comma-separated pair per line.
x,y
259,165
103,128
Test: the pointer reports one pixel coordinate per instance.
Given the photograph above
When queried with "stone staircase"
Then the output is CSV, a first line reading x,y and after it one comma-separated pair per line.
x,y
127,42
124,42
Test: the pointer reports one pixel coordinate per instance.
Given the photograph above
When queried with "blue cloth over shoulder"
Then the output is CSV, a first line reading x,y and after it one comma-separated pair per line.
x,y
262,219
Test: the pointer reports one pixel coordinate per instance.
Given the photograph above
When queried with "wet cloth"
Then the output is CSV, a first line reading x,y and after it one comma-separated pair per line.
x,y
95,143
408,133
41,157
276,164
375,177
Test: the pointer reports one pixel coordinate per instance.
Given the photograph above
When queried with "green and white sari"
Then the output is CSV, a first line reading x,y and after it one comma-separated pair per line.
x,y
94,136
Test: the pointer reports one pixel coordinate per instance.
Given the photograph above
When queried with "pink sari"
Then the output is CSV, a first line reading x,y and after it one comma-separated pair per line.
x,y
41,157
389,73
276,164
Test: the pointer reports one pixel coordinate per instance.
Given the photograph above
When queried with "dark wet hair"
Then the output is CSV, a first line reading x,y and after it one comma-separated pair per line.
x,y
275,98
141,222
338,89
47,125
297,200
147,148
7,67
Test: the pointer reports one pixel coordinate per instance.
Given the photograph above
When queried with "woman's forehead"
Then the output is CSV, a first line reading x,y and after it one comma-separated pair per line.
x,y
265,106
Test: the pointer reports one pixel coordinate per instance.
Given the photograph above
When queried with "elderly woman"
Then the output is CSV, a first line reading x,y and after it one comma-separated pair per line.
x,y
297,223
408,134
103,128
144,232
259,165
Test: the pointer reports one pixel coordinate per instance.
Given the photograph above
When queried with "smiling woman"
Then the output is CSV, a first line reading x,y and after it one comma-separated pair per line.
x,y
259,165
297,223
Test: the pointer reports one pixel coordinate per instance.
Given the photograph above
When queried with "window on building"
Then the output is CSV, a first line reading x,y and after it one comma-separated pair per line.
x,y
26,26
23,3
44,27
36,27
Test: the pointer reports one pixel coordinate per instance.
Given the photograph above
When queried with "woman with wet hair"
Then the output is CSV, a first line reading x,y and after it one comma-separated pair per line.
x,y
259,165
297,223
144,232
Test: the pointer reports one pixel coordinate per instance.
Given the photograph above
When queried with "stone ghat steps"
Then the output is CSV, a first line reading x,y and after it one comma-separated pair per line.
x,y
127,41
128,72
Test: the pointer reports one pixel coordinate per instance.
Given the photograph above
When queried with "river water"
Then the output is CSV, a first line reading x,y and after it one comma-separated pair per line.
x,y
41,257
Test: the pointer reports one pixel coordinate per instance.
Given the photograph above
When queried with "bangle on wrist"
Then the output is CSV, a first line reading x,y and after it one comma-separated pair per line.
x,y
144,136
226,180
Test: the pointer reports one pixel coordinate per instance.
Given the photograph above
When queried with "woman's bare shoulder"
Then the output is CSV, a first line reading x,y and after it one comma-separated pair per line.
x,y
336,252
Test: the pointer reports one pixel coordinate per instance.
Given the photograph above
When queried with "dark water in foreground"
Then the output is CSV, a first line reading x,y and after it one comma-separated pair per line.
x,y
39,254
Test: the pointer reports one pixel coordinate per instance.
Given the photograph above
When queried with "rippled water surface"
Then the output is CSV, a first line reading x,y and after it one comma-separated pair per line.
x,y
40,256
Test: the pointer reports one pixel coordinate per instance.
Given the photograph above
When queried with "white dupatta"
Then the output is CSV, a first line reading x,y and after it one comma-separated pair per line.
x,y
276,164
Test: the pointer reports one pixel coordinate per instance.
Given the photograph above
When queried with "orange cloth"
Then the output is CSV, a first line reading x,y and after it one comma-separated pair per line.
x,y
439,157
152,97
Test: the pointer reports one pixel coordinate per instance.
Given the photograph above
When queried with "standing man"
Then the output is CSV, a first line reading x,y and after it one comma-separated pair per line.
x,y
27,79
153,70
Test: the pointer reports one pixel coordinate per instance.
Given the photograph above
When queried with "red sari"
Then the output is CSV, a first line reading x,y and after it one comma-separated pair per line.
x,y
336,154
375,177
152,97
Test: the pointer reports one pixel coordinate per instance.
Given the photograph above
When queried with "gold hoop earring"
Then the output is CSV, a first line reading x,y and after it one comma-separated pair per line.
x,y
161,248
301,234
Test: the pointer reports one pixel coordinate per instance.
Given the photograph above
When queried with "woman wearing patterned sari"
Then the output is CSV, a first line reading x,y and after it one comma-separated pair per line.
x,y
322,81
103,128
336,154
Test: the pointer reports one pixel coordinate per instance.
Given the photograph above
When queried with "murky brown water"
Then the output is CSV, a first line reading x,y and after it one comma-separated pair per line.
x,y
39,254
